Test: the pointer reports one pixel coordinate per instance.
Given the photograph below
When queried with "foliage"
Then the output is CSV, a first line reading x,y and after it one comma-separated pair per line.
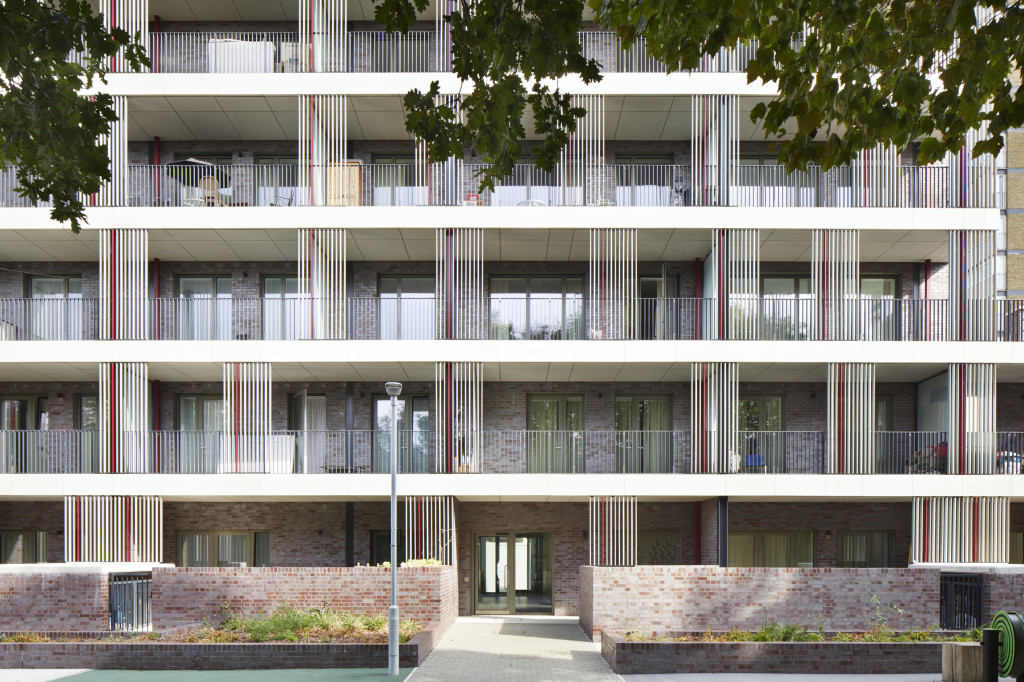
x,y
878,618
413,563
48,127
790,632
851,73
323,624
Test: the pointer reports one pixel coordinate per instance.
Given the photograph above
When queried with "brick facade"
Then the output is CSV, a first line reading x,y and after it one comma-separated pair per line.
x,y
673,599
187,596
48,600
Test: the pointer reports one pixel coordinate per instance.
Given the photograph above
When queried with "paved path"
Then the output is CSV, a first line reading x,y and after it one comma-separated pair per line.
x,y
519,648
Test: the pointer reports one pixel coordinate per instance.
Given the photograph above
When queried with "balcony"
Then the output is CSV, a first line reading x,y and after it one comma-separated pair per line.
x,y
456,183
569,317
489,452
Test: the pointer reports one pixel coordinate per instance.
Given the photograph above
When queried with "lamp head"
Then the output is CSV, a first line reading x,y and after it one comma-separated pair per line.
x,y
393,388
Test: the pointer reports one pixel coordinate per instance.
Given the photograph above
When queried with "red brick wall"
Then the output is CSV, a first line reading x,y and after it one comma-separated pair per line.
x,y
566,521
184,596
61,600
893,517
37,516
670,599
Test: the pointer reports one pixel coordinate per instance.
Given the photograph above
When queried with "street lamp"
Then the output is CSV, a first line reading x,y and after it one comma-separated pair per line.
x,y
394,389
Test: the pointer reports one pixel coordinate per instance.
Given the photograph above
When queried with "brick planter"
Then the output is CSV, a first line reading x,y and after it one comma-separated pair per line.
x,y
898,658
182,656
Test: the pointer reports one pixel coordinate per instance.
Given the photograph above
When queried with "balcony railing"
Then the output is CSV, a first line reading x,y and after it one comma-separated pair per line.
x,y
512,317
456,183
491,451
606,48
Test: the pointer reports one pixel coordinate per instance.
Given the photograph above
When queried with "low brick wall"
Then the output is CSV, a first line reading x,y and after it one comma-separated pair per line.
x,y
697,598
896,658
54,601
186,596
181,656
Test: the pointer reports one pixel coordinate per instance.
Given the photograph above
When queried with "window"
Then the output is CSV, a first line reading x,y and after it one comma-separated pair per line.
x,y
23,449
200,422
878,316
277,181
1017,548
56,308
643,434
224,548
538,308
282,311
772,550
787,307
380,546
89,424
869,549
204,308
555,434
406,307
647,181
414,431
394,182
22,547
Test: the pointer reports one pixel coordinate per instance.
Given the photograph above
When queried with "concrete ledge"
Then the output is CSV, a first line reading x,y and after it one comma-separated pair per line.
x,y
183,656
898,658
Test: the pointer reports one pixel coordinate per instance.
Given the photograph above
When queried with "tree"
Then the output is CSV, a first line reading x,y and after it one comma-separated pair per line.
x,y
49,128
851,73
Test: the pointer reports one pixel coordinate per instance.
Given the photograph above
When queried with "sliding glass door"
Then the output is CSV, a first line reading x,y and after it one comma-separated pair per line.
x,y
554,434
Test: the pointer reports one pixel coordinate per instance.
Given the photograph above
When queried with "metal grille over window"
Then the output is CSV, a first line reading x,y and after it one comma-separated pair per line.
x,y
324,167
582,169
972,264
972,419
835,282
130,600
960,530
613,538
113,528
658,548
612,284
459,254
714,396
124,417
459,401
851,418
714,148
735,271
319,311
323,35
430,528
247,401
124,283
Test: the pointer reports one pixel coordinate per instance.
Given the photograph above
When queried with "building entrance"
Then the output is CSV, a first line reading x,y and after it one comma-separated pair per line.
x,y
512,573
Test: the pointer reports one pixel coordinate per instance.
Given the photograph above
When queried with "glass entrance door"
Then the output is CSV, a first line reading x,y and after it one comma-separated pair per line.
x,y
518,564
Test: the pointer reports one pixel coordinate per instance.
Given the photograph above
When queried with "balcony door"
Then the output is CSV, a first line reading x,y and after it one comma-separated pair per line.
x,y
513,573
23,444
204,308
537,308
55,311
761,439
643,436
308,419
879,316
554,442
200,426
406,308
413,434
285,315
787,307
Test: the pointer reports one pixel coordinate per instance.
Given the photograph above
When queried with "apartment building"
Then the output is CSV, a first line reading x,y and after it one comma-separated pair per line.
x,y
666,351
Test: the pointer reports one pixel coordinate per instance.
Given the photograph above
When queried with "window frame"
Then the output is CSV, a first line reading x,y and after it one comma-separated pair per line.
x,y
759,535
41,547
871,562
214,548
528,334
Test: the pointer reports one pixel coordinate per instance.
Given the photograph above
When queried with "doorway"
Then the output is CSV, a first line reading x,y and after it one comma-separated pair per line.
x,y
512,573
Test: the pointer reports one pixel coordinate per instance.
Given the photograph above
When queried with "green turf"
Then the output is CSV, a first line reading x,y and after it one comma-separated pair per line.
x,y
342,675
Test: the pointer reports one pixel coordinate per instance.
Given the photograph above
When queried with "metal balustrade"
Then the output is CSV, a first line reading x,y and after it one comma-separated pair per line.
x,y
511,451
605,47
383,52
227,52
456,183
49,319
9,186
130,601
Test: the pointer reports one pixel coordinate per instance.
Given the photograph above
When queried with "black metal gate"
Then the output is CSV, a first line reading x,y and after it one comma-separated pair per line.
x,y
960,596
130,599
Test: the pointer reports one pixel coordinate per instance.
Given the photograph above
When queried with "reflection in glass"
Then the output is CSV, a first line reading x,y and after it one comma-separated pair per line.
x,y
555,434
413,435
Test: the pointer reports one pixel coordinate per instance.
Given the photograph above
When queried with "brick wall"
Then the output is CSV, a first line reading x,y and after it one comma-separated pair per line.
x,y
670,599
820,517
566,521
36,517
184,596
709,532
54,601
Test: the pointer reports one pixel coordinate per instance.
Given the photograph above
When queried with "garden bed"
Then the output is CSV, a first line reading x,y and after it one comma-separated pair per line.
x,y
822,657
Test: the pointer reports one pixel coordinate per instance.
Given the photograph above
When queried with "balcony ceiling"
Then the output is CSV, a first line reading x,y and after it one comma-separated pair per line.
x,y
240,118
411,244
494,371
254,10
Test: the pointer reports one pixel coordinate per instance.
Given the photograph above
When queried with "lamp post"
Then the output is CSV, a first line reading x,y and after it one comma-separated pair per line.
x,y
394,389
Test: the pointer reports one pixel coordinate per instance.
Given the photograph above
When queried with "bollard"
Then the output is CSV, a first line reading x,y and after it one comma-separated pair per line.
x,y
989,655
